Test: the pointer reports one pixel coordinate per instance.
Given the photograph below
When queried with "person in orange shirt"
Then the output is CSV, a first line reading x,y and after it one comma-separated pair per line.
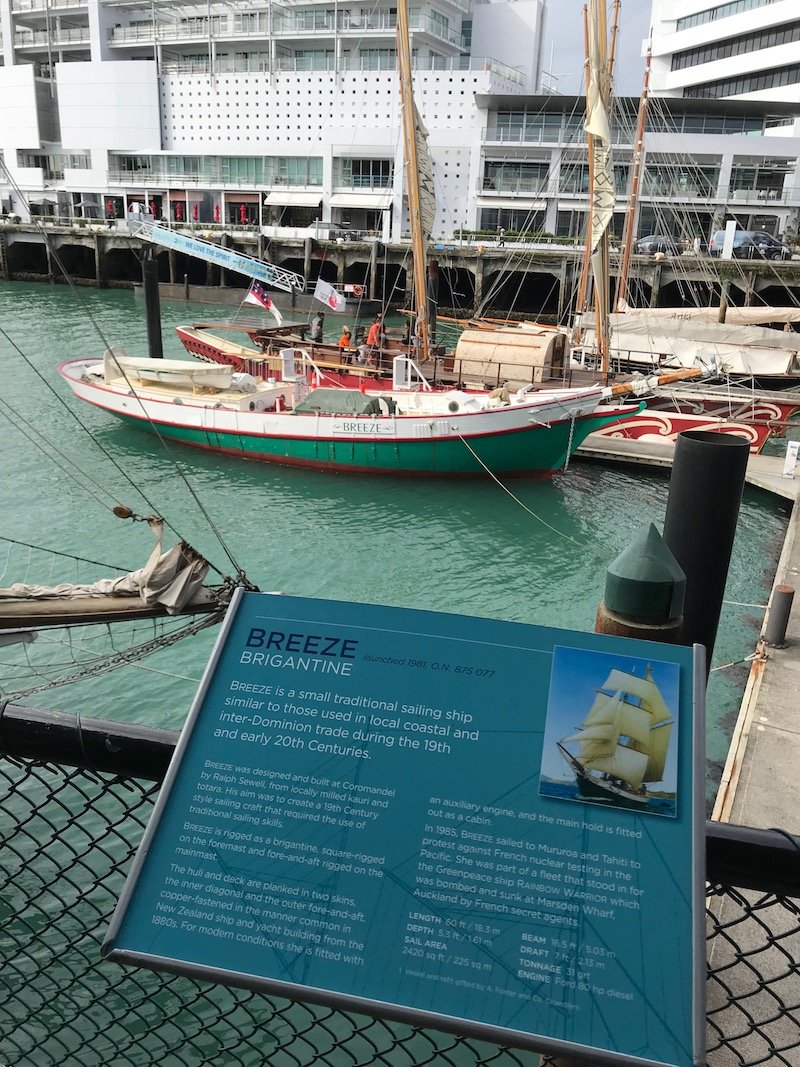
x,y
373,337
344,340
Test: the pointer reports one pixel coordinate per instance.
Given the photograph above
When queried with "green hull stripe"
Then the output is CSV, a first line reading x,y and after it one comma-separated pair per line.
x,y
541,449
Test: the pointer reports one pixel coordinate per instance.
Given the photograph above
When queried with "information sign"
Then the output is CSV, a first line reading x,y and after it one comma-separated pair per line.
x,y
486,827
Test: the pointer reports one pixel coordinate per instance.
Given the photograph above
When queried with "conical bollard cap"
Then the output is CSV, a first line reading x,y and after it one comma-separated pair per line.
x,y
645,583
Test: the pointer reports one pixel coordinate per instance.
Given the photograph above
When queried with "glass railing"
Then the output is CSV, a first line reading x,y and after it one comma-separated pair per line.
x,y
529,186
678,190
535,134
362,183
21,6
771,194
259,64
41,38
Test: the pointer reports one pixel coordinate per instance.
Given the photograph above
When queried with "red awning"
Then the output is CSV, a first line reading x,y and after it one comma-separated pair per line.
x,y
173,196
242,198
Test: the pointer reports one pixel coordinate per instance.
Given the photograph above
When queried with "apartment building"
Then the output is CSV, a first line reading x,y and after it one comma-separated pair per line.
x,y
731,49
286,118
280,115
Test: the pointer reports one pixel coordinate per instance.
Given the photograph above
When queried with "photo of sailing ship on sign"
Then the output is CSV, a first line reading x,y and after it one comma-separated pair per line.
x,y
611,732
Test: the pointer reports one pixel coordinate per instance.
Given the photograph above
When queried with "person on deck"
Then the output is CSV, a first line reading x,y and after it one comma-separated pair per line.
x,y
375,330
345,354
375,340
317,324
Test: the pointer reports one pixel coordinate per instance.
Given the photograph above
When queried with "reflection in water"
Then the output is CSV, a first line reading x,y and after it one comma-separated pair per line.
x,y
449,546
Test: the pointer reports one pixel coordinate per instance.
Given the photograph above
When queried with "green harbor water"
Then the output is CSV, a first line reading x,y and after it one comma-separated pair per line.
x,y
536,553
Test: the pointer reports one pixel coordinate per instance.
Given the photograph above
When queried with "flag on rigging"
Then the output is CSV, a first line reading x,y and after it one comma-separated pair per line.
x,y
259,296
327,295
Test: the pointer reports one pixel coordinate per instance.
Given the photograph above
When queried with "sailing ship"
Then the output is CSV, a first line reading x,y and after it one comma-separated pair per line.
x,y
622,743
408,430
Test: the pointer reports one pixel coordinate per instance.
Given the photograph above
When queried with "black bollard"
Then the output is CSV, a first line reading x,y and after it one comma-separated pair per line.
x,y
780,608
152,306
705,492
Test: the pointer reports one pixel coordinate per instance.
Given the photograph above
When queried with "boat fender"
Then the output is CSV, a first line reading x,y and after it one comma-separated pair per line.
x,y
453,406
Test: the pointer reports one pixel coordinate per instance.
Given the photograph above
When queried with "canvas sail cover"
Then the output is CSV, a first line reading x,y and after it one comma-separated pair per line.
x,y
173,579
642,324
427,192
716,347
735,316
602,192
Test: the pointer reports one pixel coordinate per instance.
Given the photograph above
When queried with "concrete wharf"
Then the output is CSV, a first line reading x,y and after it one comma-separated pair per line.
x,y
759,782
532,277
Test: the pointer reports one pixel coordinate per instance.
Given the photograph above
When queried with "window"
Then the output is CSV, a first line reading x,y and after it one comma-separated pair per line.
x,y
745,83
293,170
736,46
516,177
314,59
723,11
367,173
244,170
377,58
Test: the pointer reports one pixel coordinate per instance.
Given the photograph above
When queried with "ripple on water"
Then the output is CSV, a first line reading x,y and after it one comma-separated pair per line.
x,y
448,546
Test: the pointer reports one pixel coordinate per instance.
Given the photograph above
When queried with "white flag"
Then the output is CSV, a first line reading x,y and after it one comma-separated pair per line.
x,y
327,295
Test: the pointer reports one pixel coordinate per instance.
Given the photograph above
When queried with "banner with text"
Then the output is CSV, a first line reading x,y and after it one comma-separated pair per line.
x,y
486,827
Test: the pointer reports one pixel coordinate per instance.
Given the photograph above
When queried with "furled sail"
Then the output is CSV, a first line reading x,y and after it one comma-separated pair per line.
x,y
601,209
173,579
427,192
597,126
734,316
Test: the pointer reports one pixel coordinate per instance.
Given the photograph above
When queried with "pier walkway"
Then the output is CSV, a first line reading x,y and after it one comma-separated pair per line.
x,y
759,785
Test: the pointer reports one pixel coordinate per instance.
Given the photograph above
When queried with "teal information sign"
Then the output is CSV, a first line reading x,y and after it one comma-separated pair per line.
x,y
486,827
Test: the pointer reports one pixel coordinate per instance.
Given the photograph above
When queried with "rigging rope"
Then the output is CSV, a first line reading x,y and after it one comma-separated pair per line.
x,y
116,657
241,577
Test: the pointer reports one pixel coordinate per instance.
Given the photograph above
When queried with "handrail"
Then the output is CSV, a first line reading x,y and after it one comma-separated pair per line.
x,y
766,861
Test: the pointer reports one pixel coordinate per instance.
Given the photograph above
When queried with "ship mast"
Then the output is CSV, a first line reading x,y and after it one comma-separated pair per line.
x,y
412,179
633,200
599,60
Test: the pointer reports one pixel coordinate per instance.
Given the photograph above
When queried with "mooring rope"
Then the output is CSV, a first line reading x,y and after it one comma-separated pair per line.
x,y
516,499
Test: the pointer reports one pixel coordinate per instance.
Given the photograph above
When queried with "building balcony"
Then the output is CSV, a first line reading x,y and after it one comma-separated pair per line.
x,y
56,38
23,7
553,135
316,26
758,196
528,187
677,191
261,64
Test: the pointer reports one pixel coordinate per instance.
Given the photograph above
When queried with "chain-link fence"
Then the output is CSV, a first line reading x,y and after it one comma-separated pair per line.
x,y
74,802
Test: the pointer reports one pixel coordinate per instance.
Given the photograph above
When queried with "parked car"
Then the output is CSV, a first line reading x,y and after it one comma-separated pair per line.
x,y
659,242
750,244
